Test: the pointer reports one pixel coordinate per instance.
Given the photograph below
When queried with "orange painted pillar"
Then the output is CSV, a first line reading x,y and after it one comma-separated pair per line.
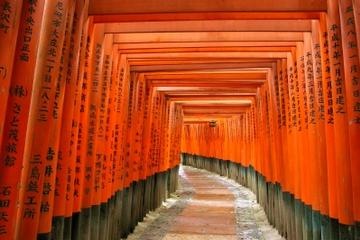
x,y
273,113
10,12
320,118
129,174
137,130
351,52
146,142
17,111
103,60
329,119
281,119
293,156
91,187
276,122
41,118
118,118
106,109
285,124
110,133
140,128
82,124
303,97
253,127
301,122
356,9
123,118
49,185
312,124
65,169
342,156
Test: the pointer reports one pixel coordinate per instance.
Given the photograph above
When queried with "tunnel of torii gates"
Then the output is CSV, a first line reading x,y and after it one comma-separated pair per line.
x,y
101,99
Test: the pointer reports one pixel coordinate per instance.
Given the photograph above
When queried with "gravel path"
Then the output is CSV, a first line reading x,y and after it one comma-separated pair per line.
x,y
206,206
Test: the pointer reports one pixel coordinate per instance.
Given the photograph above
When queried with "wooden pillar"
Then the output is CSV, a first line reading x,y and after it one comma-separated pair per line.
x,y
41,119
321,129
342,155
65,169
10,12
350,40
17,111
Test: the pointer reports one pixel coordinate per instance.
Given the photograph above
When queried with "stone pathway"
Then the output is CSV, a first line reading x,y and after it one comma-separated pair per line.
x,y
207,206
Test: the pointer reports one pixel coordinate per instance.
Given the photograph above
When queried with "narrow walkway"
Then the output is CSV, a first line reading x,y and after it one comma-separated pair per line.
x,y
207,206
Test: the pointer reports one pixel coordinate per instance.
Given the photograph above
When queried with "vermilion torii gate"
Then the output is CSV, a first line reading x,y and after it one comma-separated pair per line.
x,y
98,99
